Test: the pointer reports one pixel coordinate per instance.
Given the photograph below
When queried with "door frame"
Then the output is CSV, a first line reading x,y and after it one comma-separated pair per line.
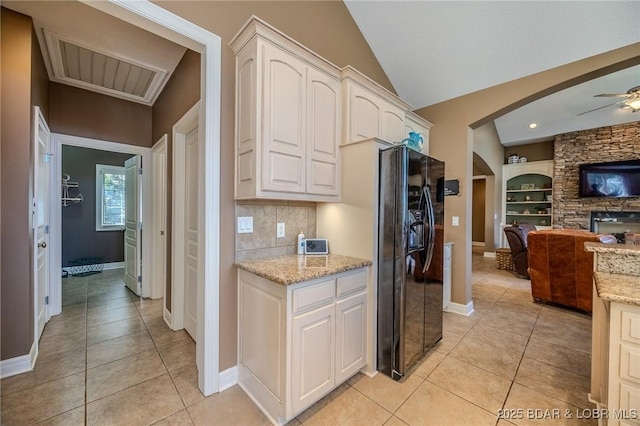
x,y
178,158
55,236
159,217
163,23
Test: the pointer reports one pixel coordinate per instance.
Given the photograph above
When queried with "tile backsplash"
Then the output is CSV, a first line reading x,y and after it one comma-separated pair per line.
x,y
296,215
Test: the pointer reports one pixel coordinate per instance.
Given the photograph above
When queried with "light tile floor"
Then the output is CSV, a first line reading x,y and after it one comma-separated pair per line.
x,y
110,359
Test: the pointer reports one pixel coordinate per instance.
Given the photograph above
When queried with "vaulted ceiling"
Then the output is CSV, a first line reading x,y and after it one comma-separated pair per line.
x,y
433,51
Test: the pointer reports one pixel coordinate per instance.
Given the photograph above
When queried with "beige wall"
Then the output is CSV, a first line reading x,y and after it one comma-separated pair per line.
x,y
88,114
22,72
451,139
180,93
533,151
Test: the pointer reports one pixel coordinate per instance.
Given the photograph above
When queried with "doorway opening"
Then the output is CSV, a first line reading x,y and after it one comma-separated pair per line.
x,y
77,158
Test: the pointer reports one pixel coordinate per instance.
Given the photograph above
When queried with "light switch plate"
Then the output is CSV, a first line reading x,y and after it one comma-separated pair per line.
x,y
280,230
245,224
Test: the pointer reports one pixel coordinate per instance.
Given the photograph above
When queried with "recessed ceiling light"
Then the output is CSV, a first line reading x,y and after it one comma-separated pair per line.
x,y
533,125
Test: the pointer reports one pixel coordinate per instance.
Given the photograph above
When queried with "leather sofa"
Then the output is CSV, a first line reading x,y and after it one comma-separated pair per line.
x,y
517,238
561,270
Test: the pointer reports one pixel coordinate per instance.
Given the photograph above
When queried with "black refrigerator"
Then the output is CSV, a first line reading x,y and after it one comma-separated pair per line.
x,y
410,258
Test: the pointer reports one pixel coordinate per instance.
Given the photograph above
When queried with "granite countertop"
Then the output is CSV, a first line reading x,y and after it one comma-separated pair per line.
x,y
294,269
617,287
630,249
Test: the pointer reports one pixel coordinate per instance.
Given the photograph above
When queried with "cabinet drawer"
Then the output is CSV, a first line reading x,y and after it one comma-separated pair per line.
x,y
630,328
313,296
630,363
351,283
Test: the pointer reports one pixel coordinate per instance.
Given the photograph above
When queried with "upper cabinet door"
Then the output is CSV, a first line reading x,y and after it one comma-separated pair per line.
x,y
392,124
364,114
284,120
323,133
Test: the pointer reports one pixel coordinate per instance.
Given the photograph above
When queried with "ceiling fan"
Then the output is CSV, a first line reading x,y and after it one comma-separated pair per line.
x,y
632,102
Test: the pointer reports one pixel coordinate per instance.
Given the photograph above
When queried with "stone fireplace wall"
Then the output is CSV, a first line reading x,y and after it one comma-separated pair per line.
x,y
614,143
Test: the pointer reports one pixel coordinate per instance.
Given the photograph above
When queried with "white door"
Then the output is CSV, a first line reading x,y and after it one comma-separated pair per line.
x,y
191,234
133,224
159,218
41,192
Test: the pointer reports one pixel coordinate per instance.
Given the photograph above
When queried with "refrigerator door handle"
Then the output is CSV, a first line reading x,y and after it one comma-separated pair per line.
x,y
432,231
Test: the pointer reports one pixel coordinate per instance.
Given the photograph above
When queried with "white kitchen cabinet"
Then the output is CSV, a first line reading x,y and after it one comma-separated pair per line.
x,y
370,111
624,364
615,369
446,276
298,342
312,349
351,336
414,123
288,118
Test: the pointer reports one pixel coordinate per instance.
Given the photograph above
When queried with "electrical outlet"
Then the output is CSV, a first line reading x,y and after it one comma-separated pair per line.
x,y
455,221
280,230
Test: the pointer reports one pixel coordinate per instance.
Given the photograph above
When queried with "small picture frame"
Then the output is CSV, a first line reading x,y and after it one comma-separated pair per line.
x,y
527,186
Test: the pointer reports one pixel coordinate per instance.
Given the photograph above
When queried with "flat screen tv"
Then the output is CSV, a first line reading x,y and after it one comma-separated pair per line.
x,y
613,179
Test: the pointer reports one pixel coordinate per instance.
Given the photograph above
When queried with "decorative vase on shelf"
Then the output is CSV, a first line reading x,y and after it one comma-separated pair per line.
x,y
414,141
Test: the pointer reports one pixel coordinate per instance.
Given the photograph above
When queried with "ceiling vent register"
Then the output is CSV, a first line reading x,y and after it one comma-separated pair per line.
x,y
102,72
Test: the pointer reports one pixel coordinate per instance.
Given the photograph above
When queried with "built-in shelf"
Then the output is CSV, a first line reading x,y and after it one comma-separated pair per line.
x,y
530,190
536,175
528,202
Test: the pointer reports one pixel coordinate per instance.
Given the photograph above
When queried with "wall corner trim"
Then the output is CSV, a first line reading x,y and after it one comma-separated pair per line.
x,y
457,308
20,364
228,378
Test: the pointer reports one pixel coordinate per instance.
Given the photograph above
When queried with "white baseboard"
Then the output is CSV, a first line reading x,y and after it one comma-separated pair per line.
x,y
457,308
372,375
112,265
167,317
20,364
477,243
490,254
228,378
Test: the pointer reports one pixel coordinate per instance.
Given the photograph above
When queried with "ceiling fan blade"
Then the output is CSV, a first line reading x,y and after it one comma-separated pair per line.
x,y
613,95
595,109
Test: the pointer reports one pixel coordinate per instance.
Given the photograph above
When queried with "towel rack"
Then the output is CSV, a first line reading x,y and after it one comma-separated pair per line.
x,y
66,199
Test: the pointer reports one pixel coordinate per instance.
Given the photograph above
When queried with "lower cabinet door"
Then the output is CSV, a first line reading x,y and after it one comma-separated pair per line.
x,y
351,336
312,347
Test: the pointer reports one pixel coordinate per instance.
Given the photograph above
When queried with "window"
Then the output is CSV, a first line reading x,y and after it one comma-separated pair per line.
x,y
110,200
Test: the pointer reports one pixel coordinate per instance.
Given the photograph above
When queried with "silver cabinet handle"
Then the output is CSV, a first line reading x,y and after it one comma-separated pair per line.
x,y
43,244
